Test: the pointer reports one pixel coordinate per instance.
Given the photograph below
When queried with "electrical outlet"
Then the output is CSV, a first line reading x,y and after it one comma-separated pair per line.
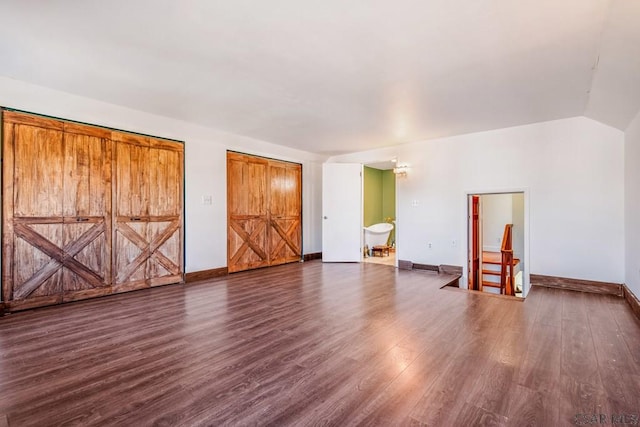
x,y
453,243
429,245
207,200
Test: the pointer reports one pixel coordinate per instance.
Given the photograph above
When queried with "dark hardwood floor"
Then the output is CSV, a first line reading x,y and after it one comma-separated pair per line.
x,y
321,344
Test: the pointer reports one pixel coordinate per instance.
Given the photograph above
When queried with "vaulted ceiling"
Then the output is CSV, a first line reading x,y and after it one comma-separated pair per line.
x,y
336,76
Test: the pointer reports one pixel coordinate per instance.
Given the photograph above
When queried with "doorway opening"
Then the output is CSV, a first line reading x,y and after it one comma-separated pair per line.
x,y
379,213
497,243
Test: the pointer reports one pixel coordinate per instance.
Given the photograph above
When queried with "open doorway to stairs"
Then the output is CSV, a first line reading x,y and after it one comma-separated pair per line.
x,y
498,243
379,213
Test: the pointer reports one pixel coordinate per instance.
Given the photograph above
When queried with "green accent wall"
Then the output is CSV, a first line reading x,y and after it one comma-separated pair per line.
x,y
379,197
388,195
372,196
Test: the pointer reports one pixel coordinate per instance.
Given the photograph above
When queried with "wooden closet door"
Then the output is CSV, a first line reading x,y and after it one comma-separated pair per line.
x,y
148,219
285,212
164,232
247,221
56,212
86,212
32,209
131,219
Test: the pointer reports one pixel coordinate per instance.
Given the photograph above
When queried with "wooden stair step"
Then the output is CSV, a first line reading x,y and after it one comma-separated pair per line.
x,y
491,284
491,272
495,258
516,261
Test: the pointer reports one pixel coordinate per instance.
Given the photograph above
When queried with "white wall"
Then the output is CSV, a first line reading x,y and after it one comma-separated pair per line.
x,y
517,218
632,205
496,212
571,168
205,164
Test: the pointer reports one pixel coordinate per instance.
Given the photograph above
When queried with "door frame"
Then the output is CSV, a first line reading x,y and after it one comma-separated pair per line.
x,y
475,237
526,284
397,220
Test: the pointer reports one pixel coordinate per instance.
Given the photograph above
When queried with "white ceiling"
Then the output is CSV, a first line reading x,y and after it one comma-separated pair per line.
x,y
331,76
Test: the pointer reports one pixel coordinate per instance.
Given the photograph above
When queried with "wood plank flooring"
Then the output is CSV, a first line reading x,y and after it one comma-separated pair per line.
x,y
321,344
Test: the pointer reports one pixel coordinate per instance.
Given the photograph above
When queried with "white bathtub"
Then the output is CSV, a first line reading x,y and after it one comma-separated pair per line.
x,y
377,234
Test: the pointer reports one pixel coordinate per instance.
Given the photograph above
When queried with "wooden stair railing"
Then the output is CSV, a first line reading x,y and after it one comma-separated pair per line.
x,y
506,268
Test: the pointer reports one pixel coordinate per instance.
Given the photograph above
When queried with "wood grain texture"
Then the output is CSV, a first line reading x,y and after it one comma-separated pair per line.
x,y
71,128
320,344
264,212
427,267
577,284
87,207
149,177
285,212
198,276
312,256
454,286
59,220
15,117
632,300
247,212
450,269
8,158
405,264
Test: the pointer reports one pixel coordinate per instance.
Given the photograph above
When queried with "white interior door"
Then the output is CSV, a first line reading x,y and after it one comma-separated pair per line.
x,y
341,212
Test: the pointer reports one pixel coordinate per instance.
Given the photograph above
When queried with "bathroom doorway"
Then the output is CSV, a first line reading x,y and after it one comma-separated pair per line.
x,y
379,213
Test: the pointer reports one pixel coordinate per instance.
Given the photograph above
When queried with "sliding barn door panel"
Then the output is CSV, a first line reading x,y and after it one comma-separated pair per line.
x,y
148,220
33,215
38,212
247,212
131,248
87,212
165,213
285,212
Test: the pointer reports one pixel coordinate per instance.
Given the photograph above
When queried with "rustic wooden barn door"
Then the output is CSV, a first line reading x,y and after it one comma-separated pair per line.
x,y
56,239
87,212
263,212
131,212
285,212
247,222
165,232
148,219
62,237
